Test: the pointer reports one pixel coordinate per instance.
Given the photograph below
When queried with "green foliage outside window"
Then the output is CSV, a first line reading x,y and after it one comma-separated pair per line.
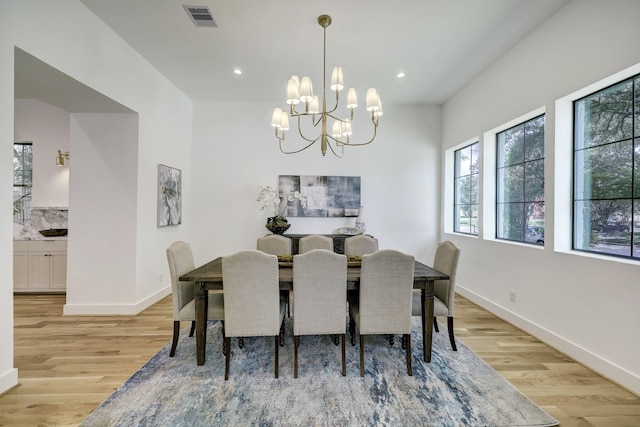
x,y
606,210
520,182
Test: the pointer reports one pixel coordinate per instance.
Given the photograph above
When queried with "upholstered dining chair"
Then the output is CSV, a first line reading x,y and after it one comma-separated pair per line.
x,y
320,290
446,261
315,241
276,244
252,302
361,244
384,303
180,260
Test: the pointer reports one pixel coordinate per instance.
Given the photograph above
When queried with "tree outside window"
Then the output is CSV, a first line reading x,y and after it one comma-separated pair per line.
x,y
466,175
520,183
606,206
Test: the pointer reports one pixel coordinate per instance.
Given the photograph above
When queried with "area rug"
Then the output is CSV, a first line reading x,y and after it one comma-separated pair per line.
x,y
456,389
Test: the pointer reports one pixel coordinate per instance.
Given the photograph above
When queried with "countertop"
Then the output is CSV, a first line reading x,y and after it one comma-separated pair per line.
x,y
38,237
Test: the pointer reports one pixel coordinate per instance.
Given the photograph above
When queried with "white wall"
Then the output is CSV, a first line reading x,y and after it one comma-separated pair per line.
x,y
235,153
68,37
47,127
586,307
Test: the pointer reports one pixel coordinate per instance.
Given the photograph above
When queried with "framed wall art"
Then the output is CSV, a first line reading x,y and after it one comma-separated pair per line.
x,y
169,196
320,196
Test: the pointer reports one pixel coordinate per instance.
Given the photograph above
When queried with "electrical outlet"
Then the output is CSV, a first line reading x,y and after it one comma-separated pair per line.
x,y
160,277
512,296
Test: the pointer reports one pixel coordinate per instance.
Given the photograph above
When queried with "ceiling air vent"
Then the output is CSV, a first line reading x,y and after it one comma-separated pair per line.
x,y
201,16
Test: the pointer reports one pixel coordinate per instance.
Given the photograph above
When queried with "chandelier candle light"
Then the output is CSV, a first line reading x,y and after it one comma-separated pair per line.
x,y
301,92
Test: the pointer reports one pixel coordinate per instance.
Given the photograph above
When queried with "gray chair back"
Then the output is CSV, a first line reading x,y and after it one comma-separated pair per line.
x,y
446,261
274,244
251,294
360,245
180,260
320,293
315,241
386,285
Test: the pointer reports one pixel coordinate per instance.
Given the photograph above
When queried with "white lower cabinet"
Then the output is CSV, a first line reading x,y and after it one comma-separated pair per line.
x,y
42,267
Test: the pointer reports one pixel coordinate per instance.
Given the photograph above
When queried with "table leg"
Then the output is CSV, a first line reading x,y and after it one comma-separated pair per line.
x,y
427,323
201,321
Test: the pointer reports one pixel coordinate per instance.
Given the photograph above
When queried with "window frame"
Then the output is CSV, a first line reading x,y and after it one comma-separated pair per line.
x,y
456,177
563,170
22,190
497,189
634,141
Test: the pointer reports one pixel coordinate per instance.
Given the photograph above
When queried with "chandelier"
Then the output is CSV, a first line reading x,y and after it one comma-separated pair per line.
x,y
301,92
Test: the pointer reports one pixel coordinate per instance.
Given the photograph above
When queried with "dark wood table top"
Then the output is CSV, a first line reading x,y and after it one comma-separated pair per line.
x,y
211,274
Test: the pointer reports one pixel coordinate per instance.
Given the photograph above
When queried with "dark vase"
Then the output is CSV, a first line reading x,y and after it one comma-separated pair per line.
x,y
277,224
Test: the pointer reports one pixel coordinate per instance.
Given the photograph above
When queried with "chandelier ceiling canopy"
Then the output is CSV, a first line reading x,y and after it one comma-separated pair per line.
x,y
304,104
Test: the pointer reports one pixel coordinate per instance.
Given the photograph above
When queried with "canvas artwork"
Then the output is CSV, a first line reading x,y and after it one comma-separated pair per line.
x,y
320,196
169,196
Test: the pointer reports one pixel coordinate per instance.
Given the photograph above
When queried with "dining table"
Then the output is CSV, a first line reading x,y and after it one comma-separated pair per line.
x,y
209,277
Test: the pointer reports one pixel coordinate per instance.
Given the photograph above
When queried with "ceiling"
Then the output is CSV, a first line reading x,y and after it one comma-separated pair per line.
x,y
439,44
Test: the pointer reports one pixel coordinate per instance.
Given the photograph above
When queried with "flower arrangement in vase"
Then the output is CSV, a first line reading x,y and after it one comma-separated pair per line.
x,y
277,224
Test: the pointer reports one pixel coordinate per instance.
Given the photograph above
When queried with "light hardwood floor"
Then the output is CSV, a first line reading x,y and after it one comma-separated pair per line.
x,y
69,364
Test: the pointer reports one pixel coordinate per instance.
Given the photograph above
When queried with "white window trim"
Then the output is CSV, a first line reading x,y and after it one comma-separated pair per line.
x,y
563,169
449,187
490,148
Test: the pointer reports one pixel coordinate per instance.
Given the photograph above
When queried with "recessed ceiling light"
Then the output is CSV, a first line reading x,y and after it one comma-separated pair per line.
x,y
237,71
400,75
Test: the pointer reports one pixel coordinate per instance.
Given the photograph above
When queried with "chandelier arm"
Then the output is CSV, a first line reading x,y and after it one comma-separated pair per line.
x,y
335,107
304,137
357,144
333,150
295,151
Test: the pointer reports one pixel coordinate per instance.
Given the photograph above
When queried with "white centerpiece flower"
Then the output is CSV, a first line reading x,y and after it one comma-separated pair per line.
x,y
269,197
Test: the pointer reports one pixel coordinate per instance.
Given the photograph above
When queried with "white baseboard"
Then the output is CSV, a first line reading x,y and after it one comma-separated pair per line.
x,y
8,380
115,309
594,362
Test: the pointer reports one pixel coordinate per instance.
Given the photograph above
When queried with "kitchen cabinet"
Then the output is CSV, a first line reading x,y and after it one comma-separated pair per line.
x,y
20,265
46,266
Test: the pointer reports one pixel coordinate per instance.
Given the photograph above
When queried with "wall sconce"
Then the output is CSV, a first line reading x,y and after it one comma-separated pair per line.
x,y
61,156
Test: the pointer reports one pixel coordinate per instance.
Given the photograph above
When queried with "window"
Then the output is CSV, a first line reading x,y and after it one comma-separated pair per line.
x,y
520,182
466,189
22,177
606,187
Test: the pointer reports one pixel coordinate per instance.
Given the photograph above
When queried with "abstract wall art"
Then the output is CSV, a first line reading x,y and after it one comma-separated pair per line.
x,y
320,196
169,196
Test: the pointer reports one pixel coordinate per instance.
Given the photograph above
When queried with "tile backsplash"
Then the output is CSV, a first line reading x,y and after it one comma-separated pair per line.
x,y
42,218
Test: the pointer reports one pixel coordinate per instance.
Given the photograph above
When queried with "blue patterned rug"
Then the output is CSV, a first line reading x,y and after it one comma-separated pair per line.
x,y
456,389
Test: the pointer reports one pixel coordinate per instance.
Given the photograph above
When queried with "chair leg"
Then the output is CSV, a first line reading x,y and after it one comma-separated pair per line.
x,y
193,328
435,324
352,330
281,335
176,334
451,337
296,343
344,358
361,355
227,355
408,351
276,362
